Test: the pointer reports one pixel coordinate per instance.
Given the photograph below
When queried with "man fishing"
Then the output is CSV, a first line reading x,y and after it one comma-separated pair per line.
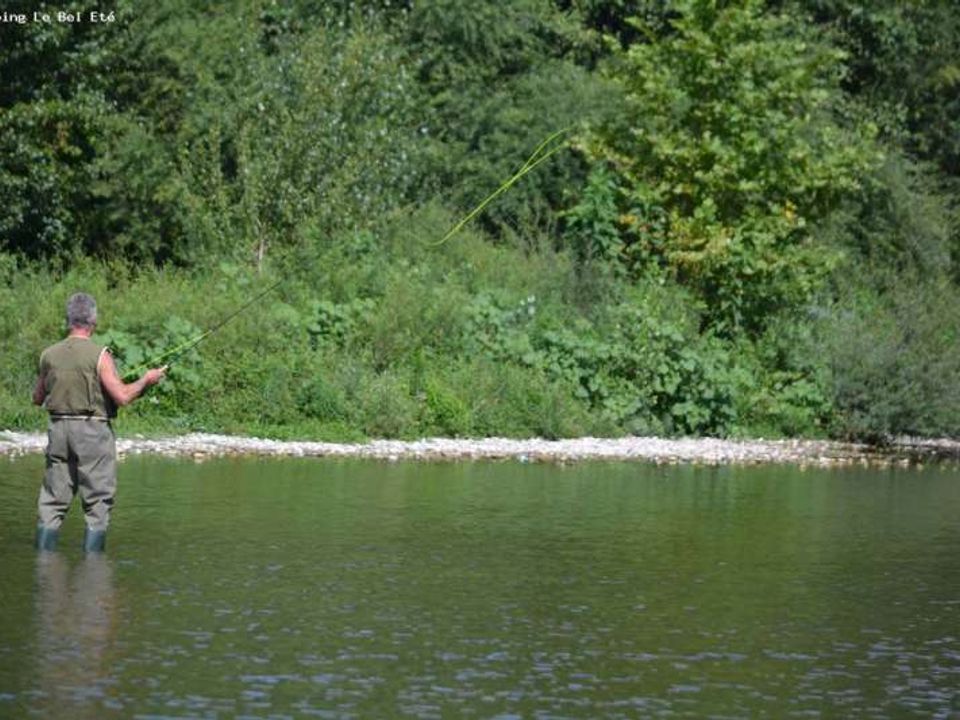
x,y
79,386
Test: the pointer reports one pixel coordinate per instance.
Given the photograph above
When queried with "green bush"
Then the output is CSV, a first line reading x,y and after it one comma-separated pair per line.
x,y
446,412
731,143
783,387
892,359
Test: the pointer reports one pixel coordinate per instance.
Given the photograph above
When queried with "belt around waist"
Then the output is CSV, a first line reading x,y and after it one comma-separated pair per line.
x,y
98,418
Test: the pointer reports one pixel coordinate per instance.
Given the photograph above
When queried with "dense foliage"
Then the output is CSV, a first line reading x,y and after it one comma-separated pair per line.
x,y
753,228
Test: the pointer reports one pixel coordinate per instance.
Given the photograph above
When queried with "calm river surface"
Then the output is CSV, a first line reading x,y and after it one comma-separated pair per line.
x,y
341,589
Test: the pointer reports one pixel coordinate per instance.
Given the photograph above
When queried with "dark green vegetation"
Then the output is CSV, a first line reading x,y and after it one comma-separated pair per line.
x,y
754,229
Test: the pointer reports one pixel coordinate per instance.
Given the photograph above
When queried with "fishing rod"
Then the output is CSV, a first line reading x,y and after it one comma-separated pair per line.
x,y
172,354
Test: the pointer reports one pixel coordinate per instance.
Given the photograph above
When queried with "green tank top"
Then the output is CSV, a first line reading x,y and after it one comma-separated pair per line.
x,y
72,380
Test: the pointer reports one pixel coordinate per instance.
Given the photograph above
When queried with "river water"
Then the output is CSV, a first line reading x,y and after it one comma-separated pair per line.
x,y
340,589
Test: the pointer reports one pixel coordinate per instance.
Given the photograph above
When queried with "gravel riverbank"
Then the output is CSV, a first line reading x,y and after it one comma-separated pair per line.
x,y
706,451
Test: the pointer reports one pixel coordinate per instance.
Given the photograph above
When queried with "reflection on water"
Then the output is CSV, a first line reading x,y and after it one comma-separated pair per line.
x,y
354,590
76,621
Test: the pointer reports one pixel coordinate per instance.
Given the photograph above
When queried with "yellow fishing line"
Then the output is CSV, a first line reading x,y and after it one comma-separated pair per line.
x,y
546,142
539,156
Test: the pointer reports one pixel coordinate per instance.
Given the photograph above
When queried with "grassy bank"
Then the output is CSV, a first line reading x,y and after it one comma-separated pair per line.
x,y
392,336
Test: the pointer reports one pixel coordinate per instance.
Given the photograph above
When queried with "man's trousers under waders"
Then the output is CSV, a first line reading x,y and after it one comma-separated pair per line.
x,y
81,455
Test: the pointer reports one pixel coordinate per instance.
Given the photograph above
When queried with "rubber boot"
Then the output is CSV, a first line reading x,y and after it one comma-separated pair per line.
x,y
94,540
47,538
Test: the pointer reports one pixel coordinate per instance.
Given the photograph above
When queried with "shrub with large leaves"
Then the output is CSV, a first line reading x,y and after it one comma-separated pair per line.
x,y
731,144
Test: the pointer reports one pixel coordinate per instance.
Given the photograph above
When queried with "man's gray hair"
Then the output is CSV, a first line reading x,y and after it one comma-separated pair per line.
x,y
81,311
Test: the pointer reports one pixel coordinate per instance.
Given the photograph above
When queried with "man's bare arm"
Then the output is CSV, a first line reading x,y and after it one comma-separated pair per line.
x,y
121,392
40,391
